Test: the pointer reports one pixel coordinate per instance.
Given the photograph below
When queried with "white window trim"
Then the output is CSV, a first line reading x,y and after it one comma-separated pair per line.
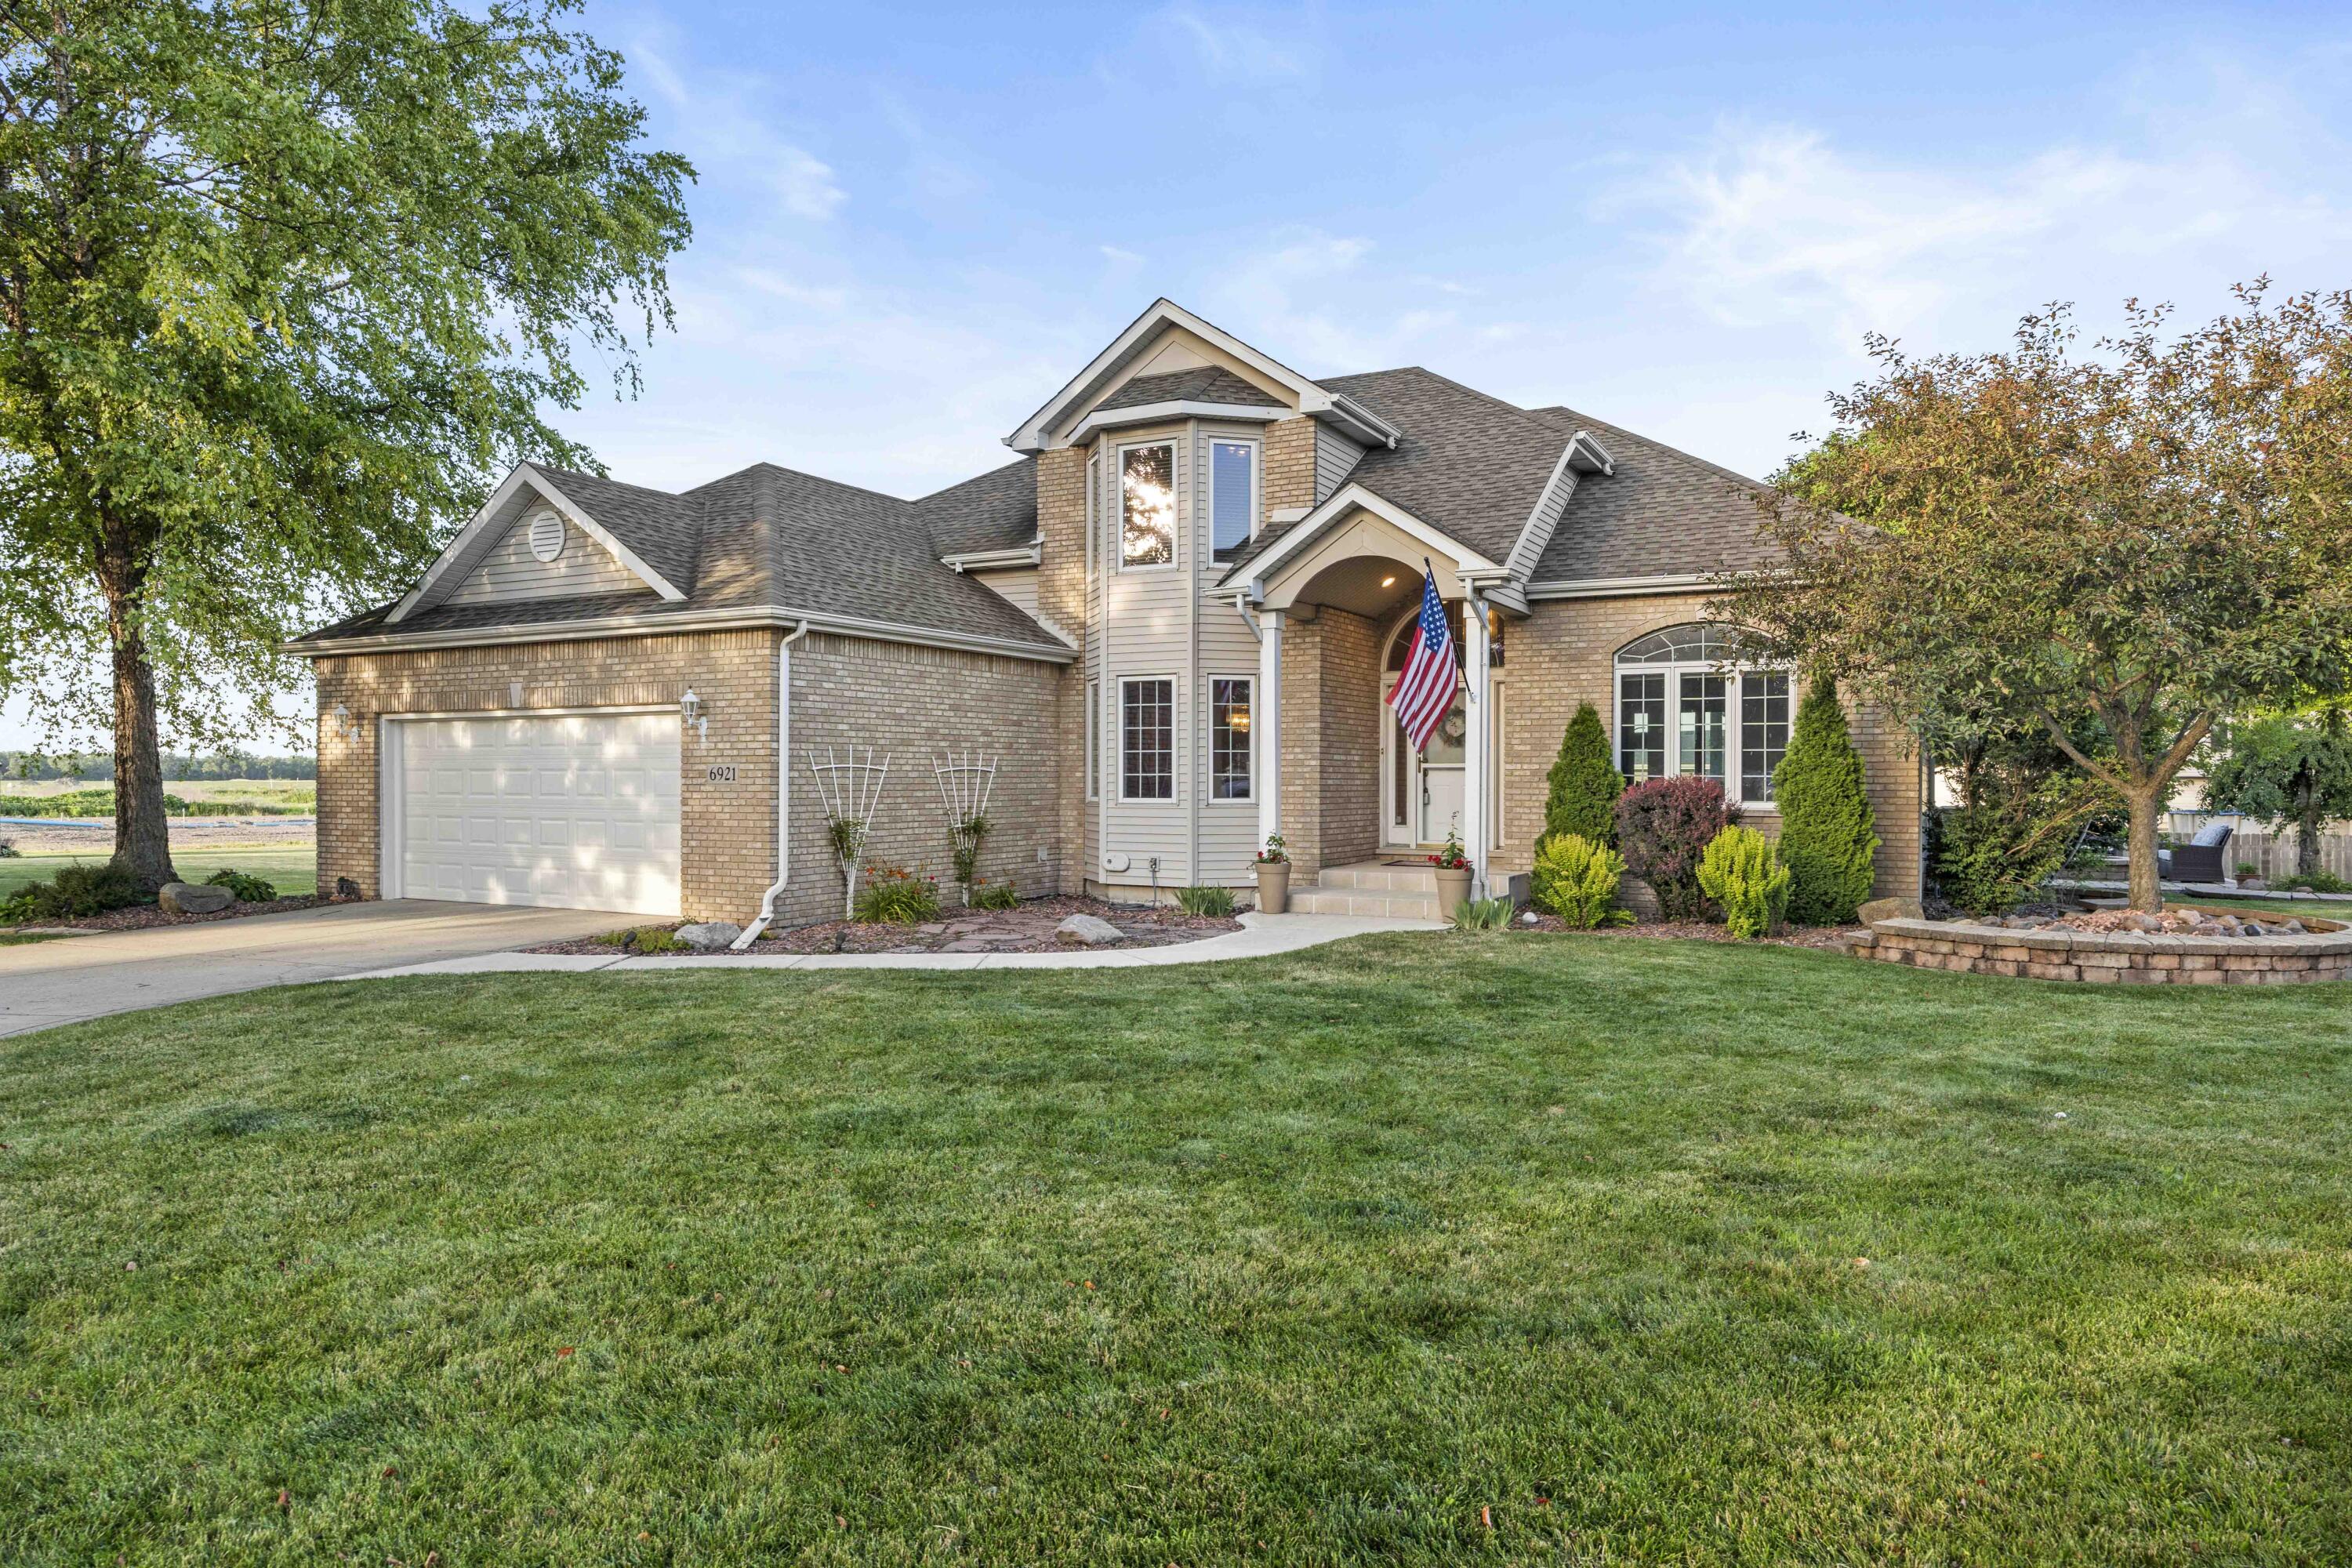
x,y
1175,445
1208,738
1735,720
1211,441
1094,740
1175,750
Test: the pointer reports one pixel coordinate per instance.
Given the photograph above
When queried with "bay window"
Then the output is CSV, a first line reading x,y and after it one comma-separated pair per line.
x,y
1147,502
1147,739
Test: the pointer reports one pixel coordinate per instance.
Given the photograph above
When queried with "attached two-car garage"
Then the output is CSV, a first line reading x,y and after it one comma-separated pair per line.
x,y
561,811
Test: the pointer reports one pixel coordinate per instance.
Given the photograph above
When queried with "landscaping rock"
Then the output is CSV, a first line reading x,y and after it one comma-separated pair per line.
x,y
710,936
193,899
1088,930
1890,910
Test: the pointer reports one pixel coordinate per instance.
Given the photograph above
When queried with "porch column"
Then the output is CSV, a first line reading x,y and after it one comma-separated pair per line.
x,y
1265,718
1477,762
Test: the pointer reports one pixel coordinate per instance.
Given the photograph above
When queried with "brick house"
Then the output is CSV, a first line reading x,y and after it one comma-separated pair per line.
x,y
1171,619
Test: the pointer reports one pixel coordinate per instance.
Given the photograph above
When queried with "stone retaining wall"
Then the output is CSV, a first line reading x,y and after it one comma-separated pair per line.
x,y
2117,958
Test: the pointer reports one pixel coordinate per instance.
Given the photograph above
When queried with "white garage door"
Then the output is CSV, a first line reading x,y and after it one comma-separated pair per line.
x,y
575,810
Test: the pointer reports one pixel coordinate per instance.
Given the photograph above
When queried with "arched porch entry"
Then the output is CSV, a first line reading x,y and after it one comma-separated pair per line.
x,y
1335,618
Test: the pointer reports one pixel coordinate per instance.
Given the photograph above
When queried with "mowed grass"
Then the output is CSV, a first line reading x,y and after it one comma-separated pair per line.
x,y
292,868
1417,1248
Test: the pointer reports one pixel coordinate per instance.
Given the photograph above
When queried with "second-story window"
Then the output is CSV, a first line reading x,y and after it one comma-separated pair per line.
x,y
1232,495
1147,499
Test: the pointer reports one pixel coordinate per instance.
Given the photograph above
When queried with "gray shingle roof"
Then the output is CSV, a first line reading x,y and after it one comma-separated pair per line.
x,y
998,510
1468,465
764,536
1660,512
1208,384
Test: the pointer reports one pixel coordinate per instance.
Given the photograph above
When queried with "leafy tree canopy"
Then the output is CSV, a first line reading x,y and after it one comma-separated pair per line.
x,y
2288,770
284,286
2114,549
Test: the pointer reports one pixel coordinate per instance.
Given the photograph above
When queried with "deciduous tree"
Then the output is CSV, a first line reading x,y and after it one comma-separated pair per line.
x,y
2287,769
283,284
2115,548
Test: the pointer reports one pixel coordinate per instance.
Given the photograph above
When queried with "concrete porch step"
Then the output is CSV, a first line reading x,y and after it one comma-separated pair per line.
x,y
1379,876
1375,902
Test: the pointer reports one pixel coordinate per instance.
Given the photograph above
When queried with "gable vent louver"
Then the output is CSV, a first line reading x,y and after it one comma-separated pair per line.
x,y
547,533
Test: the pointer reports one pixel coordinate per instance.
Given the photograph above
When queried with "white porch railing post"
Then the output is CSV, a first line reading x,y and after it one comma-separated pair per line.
x,y
1267,721
1477,751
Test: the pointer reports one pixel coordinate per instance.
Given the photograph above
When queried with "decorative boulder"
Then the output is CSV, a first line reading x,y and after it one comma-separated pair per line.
x,y
1889,909
193,899
1088,930
710,936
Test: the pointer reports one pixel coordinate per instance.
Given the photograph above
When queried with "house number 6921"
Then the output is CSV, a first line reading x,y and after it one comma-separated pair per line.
x,y
718,773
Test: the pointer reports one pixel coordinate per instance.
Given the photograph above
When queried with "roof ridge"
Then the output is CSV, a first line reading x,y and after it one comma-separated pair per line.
x,y
765,466
553,472
985,474
1653,441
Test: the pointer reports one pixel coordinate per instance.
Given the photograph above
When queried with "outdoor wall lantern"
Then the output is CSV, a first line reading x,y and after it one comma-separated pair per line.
x,y
346,727
689,713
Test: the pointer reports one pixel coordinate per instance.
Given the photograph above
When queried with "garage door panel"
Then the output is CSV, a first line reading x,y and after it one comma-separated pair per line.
x,y
570,811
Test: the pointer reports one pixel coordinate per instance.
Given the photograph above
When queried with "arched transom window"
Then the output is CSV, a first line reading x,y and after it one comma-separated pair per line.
x,y
1683,706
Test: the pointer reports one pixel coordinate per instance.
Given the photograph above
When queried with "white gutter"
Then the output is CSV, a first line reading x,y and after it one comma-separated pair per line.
x,y
1028,554
756,615
783,789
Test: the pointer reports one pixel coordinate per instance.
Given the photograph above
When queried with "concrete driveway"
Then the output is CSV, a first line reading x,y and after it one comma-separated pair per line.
x,y
45,983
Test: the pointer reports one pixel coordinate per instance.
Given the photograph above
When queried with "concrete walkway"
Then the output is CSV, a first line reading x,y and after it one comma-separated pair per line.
x,y
1260,936
45,983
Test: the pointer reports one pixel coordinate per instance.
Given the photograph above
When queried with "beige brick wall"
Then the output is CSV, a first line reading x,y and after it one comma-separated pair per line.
x,y
1565,653
911,702
1289,464
727,831
1331,740
916,703
1062,599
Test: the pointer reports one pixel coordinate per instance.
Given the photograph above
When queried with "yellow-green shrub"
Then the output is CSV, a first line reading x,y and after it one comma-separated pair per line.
x,y
1742,873
1577,880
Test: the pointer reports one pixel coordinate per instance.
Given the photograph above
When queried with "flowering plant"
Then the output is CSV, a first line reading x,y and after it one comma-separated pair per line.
x,y
1453,858
1277,851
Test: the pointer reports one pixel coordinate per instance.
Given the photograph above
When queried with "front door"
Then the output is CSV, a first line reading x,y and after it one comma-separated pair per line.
x,y
1440,770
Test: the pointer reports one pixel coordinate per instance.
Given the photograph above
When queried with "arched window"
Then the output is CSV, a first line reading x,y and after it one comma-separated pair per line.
x,y
1684,707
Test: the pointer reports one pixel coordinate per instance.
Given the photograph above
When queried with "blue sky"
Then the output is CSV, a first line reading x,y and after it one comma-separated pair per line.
x,y
913,223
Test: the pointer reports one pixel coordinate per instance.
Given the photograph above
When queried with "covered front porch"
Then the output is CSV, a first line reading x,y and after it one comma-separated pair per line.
x,y
1360,807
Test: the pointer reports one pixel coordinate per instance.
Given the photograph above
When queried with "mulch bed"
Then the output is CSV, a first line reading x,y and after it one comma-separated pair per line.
x,y
139,917
1029,929
1693,930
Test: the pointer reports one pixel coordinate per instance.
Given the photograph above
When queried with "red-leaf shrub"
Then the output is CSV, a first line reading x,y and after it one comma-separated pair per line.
x,y
1664,826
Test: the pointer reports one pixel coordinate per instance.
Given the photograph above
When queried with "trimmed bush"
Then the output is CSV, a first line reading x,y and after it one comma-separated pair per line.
x,y
1205,900
76,892
1577,880
243,888
1988,859
1585,782
1828,832
1663,826
895,896
1743,874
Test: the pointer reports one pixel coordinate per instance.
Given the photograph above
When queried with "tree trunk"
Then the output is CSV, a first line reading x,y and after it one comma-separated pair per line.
x,y
142,841
2307,832
2146,896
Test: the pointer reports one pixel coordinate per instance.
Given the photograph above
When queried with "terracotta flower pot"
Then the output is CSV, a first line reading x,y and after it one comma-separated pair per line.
x,y
1452,889
1273,887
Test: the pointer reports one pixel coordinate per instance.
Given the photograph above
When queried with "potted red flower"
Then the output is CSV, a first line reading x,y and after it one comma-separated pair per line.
x,y
1452,864
1274,876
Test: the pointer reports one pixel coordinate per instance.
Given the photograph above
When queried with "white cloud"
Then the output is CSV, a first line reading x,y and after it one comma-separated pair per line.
x,y
1237,48
718,127
1120,254
1779,226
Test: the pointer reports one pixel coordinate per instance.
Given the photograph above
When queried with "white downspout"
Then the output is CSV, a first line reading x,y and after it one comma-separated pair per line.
x,y
783,789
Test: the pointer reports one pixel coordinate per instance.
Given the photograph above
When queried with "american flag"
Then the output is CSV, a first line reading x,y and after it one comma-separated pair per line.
x,y
1425,691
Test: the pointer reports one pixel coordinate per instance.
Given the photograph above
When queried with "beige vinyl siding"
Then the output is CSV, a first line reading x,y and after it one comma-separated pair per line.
x,y
1097,561
1015,585
509,571
1223,647
1336,458
1148,626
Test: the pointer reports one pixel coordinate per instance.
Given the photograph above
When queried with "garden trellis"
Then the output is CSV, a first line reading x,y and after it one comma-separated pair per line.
x,y
965,781
852,792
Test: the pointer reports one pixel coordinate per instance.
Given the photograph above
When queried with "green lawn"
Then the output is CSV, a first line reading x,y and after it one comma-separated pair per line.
x,y
1423,1248
294,867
